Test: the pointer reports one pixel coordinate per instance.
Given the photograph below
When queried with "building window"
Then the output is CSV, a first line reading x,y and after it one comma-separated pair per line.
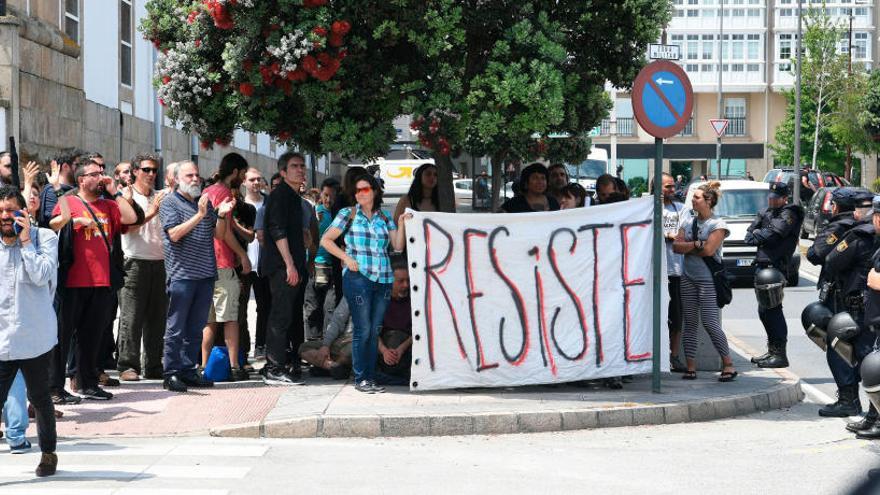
x,y
860,46
753,67
691,67
125,35
693,13
70,19
785,47
735,111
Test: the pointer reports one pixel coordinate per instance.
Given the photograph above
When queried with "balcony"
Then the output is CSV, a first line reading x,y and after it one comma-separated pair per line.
x,y
625,127
688,129
736,126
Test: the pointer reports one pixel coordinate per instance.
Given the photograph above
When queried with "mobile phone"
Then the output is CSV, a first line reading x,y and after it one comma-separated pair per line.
x,y
15,226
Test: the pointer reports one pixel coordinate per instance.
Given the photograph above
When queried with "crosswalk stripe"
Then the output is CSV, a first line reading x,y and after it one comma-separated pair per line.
x,y
132,471
111,491
185,450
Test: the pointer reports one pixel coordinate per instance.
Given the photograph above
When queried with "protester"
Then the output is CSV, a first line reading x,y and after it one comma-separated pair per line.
x,y
395,339
321,283
344,199
171,176
532,193
143,301
558,179
607,189
223,315
700,235
122,174
672,210
190,225
573,196
255,197
87,305
61,180
423,194
29,260
367,278
332,354
244,215
283,260
15,415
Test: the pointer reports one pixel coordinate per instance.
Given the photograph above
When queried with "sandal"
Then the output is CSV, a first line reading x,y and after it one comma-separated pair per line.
x,y
728,376
689,375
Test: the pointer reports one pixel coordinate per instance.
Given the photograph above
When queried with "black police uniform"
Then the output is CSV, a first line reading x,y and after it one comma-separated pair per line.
x,y
848,265
824,243
776,233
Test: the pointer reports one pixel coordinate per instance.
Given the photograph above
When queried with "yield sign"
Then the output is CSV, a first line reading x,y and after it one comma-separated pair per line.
x,y
720,125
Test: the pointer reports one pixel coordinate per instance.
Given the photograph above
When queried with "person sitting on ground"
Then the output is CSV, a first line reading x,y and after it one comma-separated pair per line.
x,y
395,338
573,196
532,194
331,355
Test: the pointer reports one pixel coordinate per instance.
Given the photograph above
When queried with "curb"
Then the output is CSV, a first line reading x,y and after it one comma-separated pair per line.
x,y
782,395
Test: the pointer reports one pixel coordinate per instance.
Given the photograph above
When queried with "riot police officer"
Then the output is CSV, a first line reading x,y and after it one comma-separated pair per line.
x,y
847,267
776,232
869,426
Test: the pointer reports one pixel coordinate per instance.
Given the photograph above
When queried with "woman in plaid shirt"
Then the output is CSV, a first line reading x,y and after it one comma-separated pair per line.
x,y
367,231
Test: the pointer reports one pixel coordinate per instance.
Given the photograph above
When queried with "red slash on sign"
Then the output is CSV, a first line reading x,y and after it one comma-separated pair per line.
x,y
719,125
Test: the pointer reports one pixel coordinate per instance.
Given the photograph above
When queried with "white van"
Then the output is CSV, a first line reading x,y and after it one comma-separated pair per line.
x,y
586,172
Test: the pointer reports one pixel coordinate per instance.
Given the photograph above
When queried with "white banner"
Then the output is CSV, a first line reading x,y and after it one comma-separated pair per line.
x,y
519,299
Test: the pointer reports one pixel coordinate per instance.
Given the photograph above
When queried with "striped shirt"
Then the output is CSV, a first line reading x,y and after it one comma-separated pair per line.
x,y
366,241
192,257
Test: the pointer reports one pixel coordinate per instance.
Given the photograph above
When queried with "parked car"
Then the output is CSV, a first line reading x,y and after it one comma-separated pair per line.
x,y
817,212
741,200
815,178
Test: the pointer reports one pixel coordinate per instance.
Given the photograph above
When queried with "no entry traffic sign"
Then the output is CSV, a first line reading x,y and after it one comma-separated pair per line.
x,y
663,99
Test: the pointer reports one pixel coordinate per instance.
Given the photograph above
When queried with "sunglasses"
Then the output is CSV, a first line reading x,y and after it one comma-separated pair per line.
x,y
148,170
363,190
93,174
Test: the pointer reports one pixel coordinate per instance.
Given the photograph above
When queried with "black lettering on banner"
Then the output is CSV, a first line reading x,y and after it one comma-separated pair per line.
x,y
582,318
597,329
546,353
472,295
431,271
627,283
515,294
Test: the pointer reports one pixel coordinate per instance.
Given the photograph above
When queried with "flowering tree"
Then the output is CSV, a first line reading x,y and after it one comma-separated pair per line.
x,y
291,68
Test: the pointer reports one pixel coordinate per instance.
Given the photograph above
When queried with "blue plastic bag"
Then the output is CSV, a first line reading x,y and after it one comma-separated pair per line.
x,y
217,368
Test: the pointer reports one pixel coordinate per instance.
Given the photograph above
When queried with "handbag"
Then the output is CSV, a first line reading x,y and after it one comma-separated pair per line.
x,y
117,273
720,278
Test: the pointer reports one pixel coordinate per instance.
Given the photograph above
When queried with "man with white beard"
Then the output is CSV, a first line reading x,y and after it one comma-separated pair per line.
x,y
189,225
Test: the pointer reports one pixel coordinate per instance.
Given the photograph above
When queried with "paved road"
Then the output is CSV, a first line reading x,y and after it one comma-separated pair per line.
x,y
781,452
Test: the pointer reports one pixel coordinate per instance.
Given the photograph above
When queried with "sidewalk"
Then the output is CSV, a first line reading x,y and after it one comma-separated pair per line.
x,y
328,408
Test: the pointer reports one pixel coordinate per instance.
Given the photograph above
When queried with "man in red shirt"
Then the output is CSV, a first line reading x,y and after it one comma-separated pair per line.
x,y
87,299
223,315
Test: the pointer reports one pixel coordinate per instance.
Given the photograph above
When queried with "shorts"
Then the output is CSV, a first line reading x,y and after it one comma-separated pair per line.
x,y
340,348
225,302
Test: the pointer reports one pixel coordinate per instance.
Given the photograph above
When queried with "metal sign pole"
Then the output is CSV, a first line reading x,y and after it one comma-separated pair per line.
x,y
658,264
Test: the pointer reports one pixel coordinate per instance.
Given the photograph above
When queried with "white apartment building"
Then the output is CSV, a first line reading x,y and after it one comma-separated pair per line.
x,y
758,43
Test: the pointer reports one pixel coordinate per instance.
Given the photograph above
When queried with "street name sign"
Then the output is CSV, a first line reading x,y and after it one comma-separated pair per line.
x,y
719,125
662,99
664,52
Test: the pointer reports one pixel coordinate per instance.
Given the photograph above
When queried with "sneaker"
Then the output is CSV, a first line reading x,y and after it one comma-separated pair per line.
x,y
65,398
48,465
105,381
239,375
365,387
21,448
129,375
376,387
276,376
259,352
96,393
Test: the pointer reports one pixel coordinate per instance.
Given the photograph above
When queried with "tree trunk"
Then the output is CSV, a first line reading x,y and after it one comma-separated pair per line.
x,y
444,182
497,181
847,165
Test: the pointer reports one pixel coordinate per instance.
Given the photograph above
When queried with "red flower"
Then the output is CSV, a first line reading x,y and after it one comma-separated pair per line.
x,y
248,65
342,54
191,18
198,43
166,80
216,88
434,127
161,102
320,31
313,3
283,136
309,64
246,89
335,40
206,144
341,27
298,75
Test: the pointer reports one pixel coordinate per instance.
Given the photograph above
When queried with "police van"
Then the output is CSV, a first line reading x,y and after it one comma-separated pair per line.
x,y
741,200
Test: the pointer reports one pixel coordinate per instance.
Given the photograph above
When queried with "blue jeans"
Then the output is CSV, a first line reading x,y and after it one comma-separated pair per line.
x,y
15,415
367,301
188,304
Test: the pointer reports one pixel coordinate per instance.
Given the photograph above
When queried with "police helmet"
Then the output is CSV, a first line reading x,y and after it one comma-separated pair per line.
x,y
850,198
870,371
769,287
815,318
842,326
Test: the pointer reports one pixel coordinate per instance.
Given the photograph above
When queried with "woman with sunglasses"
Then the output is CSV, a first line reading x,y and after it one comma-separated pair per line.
x,y
367,278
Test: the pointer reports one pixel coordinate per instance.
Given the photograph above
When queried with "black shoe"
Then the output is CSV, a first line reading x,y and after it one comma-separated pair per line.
x,y
776,359
95,393
65,398
864,423
48,464
174,384
872,433
762,357
278,376
847,404
378,389
365,387
196,380
238,375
